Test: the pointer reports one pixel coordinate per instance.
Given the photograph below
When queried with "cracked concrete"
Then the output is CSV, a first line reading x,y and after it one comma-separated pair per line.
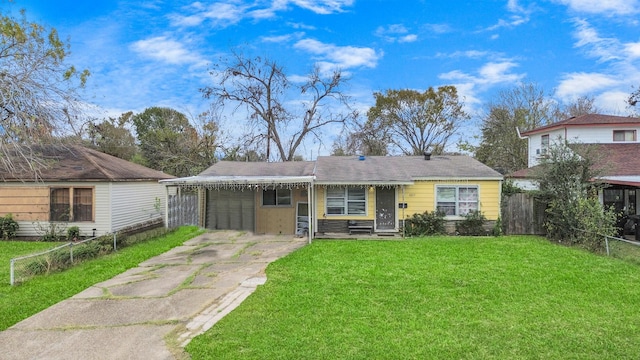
x,y
143,312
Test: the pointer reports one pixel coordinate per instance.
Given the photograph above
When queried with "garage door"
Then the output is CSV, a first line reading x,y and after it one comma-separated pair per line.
x,y
230,210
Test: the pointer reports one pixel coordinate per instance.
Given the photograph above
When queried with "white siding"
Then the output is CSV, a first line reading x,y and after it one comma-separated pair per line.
x,y
134,203
575,134
535,143
101,215
600,134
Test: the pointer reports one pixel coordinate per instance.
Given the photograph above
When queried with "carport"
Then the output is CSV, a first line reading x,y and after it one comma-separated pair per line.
x,y
228,202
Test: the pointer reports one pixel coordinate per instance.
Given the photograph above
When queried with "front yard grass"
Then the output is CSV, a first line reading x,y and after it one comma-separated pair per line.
x,y
19,302
435,298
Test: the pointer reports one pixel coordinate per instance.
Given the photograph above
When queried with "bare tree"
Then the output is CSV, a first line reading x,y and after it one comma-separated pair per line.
x,y
261,87
38,98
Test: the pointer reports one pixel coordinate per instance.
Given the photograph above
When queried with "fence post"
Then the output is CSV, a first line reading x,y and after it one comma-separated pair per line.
x,y
606,241
71,251
12,271
115,248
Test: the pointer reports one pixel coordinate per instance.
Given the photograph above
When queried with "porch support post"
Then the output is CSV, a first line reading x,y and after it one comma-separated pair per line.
x,y
310,211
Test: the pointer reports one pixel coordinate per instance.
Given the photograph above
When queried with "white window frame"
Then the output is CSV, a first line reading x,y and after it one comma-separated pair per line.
x,y
624,135
544,144
342,201
459,211
278,198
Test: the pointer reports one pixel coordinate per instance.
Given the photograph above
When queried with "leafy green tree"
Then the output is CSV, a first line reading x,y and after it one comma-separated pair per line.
x,y
38,89
524,107
112,137
413,122
574,213
260,87
168,142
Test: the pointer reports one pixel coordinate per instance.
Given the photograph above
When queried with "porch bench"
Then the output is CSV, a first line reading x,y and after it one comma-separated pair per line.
x,y
360,228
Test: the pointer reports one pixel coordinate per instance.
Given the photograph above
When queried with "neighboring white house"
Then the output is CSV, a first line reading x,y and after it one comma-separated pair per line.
x,y
584,129
614,137
82,187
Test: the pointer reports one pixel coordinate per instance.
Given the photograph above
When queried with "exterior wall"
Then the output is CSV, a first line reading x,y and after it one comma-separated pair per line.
x,y
419,197
133,203
278,219
31,208
581,134
535,147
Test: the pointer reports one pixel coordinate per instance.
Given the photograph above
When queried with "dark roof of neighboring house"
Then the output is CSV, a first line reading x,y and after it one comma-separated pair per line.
x,y
621,159
351,169
237,168
586,120
78,163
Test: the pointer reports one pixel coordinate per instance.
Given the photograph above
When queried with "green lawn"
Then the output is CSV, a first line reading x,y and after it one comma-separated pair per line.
x,y
19,302
437,298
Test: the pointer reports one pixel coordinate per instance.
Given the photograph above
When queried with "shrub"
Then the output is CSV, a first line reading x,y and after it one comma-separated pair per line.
x,y
73,233
52,232
425,224
8,227
473,224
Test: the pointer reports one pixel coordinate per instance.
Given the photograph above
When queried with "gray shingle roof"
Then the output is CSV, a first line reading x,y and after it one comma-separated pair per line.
x,y
238,168
399,168
77,163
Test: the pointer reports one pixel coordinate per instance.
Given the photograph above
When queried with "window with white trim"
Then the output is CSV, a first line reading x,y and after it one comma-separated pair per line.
x,y
544,144
624,135
456,200
276,197
346,201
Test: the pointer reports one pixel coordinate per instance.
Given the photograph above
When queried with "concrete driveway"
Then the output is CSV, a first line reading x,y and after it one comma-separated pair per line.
x,y
154,310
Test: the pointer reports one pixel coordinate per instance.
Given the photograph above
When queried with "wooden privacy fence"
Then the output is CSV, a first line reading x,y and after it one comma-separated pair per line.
x,y
183,210
522,214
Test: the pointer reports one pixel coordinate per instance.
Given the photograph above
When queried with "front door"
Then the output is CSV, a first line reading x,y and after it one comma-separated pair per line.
x,y
385,208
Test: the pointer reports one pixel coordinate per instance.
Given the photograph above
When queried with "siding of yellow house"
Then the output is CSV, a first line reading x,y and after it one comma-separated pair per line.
x,y
419,197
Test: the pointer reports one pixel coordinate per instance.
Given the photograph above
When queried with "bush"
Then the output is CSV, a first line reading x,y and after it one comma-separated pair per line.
x,y
8,227
473,224
73,233
52,232
584,222
425,224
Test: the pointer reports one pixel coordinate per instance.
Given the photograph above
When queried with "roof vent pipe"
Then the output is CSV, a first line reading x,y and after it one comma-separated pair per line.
x,y
427,155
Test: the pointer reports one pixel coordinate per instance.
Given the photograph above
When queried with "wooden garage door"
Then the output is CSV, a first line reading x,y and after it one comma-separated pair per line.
x,y
230,210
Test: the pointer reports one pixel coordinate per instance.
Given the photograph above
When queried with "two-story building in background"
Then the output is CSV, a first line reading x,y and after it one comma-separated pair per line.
x,y
614,138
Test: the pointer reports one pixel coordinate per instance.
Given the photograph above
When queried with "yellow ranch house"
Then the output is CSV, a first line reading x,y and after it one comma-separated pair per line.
x,y
338,195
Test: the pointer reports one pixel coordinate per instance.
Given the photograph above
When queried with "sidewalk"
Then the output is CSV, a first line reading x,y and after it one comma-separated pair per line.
x,y
154,310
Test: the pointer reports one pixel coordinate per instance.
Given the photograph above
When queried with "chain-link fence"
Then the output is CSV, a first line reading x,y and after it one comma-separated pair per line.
x,y
67,255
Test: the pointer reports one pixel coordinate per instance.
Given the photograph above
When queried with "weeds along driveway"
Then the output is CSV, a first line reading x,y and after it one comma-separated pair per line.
x,y
154,310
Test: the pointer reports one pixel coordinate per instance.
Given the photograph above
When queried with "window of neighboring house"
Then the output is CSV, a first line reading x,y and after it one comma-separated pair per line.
x,y
346,201
544,144
71,204
456,200
276,197
624,135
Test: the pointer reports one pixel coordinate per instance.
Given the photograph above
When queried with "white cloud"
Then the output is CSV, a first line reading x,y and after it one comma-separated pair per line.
x,y
229,12
518,15
575,85
605,49
166,50
323,7
220,14
490,74
395,32
331,56
438,28
604,7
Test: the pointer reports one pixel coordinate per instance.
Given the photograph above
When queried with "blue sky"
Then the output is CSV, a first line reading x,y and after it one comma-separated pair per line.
x,y
158,53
